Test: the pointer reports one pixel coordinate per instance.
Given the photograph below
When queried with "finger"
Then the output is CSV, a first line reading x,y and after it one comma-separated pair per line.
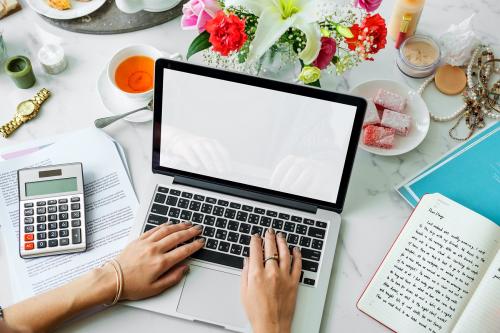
x,y
171,241
281,170
171,278
168,229
270,249
244,276
296,264
284,253
182,252
151,231
255,261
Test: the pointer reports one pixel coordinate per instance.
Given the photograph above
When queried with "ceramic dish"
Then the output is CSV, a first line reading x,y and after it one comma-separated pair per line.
x,y
117,103
78,9
416,108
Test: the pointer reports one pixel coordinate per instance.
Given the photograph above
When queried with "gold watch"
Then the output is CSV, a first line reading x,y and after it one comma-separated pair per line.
x,y
26,111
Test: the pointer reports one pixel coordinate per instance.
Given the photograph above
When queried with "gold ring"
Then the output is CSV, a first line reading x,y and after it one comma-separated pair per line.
x,y
275,257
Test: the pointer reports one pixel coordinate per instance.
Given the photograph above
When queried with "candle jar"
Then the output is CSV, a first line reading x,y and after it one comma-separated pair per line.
x,y
409,8
20,71
418,56
52,59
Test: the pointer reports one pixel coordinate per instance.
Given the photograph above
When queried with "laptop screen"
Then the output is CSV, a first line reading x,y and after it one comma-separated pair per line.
x,y
254,136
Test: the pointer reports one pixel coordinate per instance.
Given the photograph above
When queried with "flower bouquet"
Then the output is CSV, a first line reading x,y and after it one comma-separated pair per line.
x,y
317,34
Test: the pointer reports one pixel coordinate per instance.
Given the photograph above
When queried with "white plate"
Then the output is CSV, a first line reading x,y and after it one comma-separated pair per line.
x,y
415,107
78,9
118,103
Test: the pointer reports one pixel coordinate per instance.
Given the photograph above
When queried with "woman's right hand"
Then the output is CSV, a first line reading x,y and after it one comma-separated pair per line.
x,y
269,290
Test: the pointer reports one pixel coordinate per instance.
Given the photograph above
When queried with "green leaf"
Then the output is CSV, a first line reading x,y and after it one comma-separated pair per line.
x,y
200,43
344,31
335,60
314,84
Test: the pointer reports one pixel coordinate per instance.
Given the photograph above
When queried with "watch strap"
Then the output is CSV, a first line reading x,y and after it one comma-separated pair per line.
x,y
41,97
10,127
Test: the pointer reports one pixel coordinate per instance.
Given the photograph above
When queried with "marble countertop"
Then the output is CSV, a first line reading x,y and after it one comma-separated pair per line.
x,y
374,213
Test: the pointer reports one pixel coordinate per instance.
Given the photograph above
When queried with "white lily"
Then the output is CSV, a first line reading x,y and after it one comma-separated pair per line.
x,y
275,18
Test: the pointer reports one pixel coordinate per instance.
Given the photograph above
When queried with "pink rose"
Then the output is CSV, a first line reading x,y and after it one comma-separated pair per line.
x,y
196,14
326,53
368,5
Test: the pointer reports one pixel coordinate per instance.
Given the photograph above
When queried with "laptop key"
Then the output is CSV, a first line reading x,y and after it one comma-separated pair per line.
x,y
175,192
199,197
223,203
212,243
247,208
206,208
293,239
236,249
265,221
308,221
162,189
310,266
316,232
301,229
284,216
296,219
221,223
242,216
271,213
197,218
256,230
221,234
254,218
233,237
289,226
209,232
260,211
235,205
277,224
211,200
194,205
223,246
317,244
233,225
183,203
321,224
218,211
209,220
160,198
245,239
245,228
174,212
219,258
187,195
309,281
148,227
186,215
172,201
305,241
156,219
311,254
230,213
159,209
246,251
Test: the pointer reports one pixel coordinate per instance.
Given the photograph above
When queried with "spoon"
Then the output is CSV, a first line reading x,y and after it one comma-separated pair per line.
x,y
105,121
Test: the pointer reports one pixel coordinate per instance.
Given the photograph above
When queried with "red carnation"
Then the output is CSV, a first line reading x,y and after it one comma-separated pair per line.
x,y
370,37
325,56
227,33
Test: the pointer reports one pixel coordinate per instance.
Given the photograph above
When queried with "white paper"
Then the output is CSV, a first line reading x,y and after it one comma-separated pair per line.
x,y
110,204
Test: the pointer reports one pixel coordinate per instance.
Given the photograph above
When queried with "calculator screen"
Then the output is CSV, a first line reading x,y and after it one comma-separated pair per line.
x,y
51,186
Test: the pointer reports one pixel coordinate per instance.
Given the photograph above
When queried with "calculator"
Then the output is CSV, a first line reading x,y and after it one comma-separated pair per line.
x,y
51,210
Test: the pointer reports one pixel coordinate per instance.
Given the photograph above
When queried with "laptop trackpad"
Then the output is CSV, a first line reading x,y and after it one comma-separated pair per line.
x,y
212,296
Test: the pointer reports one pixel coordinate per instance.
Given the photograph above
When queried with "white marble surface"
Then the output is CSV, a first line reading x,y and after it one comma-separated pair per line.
x,y
373,214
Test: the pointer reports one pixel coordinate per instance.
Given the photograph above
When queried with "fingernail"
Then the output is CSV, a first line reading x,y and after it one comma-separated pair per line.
x,y
199,227
297,249
281,235
257,235
201,240
271,231
186,222
168,223
245,261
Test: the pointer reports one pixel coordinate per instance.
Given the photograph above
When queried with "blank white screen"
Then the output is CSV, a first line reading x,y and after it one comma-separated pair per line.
x,y
254,136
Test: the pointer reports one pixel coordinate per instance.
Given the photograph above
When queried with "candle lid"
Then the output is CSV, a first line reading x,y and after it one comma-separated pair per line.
x,y
405,23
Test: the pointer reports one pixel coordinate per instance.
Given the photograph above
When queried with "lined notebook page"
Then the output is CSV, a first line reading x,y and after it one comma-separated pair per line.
x,y
433,268
482,314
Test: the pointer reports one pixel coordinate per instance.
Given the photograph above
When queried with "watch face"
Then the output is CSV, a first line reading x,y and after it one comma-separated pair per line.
x,y
26,108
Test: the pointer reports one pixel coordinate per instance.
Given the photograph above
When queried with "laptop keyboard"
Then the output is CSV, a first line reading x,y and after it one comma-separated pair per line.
x,y
228,225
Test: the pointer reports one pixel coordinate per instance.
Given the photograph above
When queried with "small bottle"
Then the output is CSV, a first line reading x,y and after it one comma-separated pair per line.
x,y
403,30
412,8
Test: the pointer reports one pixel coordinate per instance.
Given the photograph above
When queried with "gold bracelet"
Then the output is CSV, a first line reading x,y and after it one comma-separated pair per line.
x,y
119,281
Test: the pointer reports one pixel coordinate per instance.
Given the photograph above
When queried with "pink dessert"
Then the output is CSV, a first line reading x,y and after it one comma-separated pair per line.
x,y
372,116
378,136
390,100
399,122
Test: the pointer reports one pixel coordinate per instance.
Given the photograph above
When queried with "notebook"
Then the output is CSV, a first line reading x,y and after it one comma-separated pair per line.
x,y
469,174
442,274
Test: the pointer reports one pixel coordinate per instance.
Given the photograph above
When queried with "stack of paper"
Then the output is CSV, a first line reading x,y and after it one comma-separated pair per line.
x,y
110,205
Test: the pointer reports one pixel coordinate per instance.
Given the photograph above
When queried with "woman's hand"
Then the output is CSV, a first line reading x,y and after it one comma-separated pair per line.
x,y
152,263
269,290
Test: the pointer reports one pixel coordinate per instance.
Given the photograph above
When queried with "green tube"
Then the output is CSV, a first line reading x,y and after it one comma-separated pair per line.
x,y
20,70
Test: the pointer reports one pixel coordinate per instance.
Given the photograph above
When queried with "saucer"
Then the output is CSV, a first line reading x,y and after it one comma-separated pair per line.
x,y
415,107
117,103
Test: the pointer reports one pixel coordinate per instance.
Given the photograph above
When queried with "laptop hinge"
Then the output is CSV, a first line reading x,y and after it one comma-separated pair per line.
x,y
246,194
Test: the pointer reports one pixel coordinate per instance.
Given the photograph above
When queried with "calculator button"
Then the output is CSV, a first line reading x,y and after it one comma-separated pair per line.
x,y
41,227
28,220
53,243
29,212
64,233
29,246
52,234
76,223
75,206
41,203
41,235
41,219
76,236
29,237
53,217
41,210
28,205
52,202
75,215
63,216
29,228
75,199
41,244
63,208
64,241
52,225
61,201
63,224
52,209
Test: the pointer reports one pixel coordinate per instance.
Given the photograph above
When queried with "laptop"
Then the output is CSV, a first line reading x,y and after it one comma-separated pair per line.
x,y
240,154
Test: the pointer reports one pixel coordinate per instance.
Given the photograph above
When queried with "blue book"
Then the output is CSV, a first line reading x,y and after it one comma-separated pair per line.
x,y
469,175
